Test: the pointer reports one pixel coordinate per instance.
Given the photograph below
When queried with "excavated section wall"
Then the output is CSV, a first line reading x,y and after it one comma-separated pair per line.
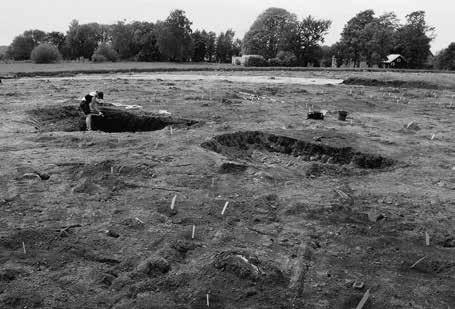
x,y
70,118
237,145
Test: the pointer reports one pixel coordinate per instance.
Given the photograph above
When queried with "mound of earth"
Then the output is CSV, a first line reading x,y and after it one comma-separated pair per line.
x,y
251,281
70,118
240,145
390,83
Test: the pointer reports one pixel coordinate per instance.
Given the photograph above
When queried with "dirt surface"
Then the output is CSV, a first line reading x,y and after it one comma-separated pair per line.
x,y
286,212
192,76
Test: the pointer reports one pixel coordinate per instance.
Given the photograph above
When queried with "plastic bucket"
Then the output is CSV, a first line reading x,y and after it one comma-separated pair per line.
x,y
342,115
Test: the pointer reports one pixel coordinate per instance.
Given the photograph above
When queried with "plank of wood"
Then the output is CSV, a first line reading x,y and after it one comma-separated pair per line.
x,y
364,300
420,260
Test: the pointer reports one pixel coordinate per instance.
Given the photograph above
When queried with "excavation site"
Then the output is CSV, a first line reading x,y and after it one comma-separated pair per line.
x,y
228,189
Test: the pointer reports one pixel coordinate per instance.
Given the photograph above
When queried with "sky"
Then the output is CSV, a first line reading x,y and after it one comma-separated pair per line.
x,y
16,16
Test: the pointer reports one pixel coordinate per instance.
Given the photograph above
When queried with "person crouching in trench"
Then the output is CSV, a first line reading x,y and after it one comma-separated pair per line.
x,y
89,106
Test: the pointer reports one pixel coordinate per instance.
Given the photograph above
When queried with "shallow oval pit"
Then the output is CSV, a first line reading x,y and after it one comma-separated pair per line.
x,y
241,145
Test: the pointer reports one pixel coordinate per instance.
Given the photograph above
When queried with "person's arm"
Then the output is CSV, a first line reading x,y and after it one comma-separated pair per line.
x,y
94,106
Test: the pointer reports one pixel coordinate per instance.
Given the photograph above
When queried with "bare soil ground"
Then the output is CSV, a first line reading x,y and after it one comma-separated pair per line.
x,y
286,212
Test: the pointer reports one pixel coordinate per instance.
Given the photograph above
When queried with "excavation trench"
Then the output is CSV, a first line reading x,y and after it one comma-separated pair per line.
x,y
70,118
241,144
394,83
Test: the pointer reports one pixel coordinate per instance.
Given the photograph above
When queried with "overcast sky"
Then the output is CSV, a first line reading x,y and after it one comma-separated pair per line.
x,y
216,15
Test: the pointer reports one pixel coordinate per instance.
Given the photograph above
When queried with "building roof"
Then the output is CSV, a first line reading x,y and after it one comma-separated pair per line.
x,y
391,58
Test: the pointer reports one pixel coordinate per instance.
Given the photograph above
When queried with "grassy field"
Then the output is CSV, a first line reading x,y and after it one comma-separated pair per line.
x,y
27,67
30,69
319,212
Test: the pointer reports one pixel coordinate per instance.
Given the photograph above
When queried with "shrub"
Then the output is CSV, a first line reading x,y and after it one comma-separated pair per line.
x,y
107,52
287,58
254,61
99,58
45,53
275,62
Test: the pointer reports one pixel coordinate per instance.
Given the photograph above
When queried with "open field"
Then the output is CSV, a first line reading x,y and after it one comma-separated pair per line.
x,y
30,68
286,212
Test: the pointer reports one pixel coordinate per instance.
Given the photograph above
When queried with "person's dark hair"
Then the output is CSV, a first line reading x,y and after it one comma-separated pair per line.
x,y
100,95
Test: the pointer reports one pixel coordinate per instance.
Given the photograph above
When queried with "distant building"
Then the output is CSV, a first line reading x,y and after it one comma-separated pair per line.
x,y
395,61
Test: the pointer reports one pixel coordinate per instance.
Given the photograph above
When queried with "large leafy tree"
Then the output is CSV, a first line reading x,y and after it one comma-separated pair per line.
x,y
310,34
136,40
211,45
413,39
82,40
379,38
445,60
200,42
237,47
23,44
174,37
271,32
145,41
3,52
340,51
56,38
20,48
326,54
225,46
123,39
37,36
354,37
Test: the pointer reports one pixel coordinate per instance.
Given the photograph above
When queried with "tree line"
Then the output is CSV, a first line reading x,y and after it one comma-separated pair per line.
x,y
170,40
366,38
370,38
277,35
